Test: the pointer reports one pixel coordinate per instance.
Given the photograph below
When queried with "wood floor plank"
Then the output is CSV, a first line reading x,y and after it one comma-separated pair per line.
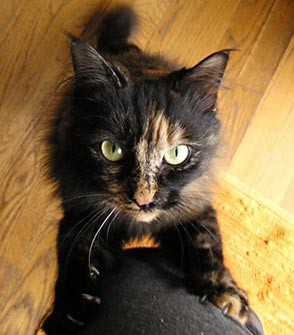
x,y
243,30
255,73
150,15
287,201
180,34
32,57
270,139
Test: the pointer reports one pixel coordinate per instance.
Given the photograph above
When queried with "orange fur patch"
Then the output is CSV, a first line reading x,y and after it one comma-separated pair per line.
x,y
146,241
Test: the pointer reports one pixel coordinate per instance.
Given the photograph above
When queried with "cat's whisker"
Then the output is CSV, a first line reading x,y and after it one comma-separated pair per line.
x,y
181,206
180,236
94,194
207,229
110,224
182,245
189,236
76,225
95,236
210,247
94,217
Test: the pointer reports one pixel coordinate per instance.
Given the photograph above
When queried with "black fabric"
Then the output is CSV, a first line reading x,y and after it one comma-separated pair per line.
x,y
146,295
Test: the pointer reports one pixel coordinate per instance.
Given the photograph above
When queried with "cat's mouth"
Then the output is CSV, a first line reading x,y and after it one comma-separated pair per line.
x,y
139,214
144,213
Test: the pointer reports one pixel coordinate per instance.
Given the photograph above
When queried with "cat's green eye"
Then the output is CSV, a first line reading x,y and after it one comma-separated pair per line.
x,y
112,151
177,155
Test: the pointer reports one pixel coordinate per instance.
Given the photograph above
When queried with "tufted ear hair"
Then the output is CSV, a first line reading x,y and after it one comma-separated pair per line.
x,y
91,68
205,77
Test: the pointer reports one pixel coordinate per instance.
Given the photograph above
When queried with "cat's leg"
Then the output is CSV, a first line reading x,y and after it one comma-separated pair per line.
x,y
76,291
74,297
207,275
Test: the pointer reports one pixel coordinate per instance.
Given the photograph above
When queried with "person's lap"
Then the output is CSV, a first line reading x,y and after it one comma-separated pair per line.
x,y
146,295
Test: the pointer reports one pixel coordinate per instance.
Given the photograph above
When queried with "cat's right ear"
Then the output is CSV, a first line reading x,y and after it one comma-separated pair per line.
x,y
91,68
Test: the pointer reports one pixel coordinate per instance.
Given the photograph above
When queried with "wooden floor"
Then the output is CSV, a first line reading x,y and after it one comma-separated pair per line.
x,y
256,198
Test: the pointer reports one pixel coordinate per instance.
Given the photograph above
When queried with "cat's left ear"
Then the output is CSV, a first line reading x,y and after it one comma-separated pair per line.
x,y
91,68
205,77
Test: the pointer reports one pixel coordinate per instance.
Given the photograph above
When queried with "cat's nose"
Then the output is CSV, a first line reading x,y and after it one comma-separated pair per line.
x,y
144,198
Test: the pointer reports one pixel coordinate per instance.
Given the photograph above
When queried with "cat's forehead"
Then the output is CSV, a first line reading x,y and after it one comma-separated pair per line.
x,y
160,132
156,120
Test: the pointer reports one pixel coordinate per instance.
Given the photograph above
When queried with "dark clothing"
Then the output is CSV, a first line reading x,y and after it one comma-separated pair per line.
x,y
147,295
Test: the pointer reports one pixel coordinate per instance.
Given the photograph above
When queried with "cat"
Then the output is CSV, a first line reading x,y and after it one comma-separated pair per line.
x,y
132,151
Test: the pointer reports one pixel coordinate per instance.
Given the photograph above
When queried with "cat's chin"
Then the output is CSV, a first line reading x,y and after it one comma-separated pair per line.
x,y
146,216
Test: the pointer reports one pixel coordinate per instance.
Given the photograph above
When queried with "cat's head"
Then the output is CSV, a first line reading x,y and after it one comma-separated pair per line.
x,y
144,146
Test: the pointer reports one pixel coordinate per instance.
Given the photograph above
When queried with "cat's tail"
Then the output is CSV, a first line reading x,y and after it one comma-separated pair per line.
x,y
115,29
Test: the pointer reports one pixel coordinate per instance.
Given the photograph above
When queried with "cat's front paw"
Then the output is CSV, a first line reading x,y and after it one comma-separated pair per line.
x,y
234,304
220,289
231,300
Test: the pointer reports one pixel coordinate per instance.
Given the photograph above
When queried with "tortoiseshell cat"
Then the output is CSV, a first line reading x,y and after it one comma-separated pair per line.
x,y
132,151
